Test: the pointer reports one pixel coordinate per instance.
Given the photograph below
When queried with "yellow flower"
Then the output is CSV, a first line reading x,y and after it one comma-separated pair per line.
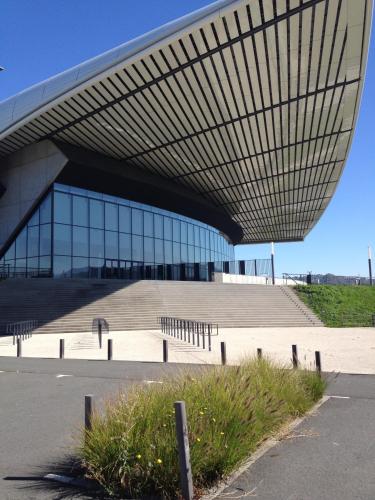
x,y
159,461
222,433
199,440
139,456
213,419
201,413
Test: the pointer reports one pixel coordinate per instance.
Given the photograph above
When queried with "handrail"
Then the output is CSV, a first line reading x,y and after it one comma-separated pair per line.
x,y
191,331
21,329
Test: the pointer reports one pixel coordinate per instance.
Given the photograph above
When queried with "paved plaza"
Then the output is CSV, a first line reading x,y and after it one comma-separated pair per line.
x,y
347,350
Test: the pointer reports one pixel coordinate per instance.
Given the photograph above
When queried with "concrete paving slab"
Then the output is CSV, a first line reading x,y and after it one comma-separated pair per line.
x,y
347,350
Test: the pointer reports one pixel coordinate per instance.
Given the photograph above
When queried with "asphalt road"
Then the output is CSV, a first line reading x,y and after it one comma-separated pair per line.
x,y
42,410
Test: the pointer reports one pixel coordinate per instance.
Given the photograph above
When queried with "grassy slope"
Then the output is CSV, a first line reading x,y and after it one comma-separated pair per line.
x,y
230,410
340,305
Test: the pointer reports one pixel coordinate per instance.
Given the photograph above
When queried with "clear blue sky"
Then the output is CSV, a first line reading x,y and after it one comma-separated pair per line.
x,y
39,38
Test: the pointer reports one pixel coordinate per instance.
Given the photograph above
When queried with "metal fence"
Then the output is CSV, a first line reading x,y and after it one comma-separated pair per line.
x,y
325,279
194,332
7,271
21,329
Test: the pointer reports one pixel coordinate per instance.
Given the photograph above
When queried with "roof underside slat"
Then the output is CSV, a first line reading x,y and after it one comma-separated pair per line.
x,y
254,110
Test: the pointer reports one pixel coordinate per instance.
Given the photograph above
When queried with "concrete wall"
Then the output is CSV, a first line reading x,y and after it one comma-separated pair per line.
x,y
251,280
26,175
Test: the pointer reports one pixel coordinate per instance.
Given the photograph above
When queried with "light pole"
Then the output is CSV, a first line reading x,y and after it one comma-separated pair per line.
x,y
273,262
370,265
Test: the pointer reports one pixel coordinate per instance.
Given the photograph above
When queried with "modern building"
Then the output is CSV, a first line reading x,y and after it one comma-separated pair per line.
x,y
231,125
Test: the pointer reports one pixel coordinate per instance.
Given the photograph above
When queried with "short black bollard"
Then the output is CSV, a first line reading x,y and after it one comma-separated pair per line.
x,y
318,363
110,349
62,349
223,350
294,356
19,347
89,408
165,351
259,353
100,334
203,337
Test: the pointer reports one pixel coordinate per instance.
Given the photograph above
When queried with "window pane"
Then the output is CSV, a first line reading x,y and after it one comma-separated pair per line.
x,y
62,267
81,241
96,268
45,210
137,221
137,248
149,249
80,267
21,244
191,253
183,232
45,239
34,220
125,246
202,237
176,253
96,214
196,237
167,228
197,254
62,208
111,245
148,224
62,239
33,264
158,220
45,262
168,252
111,217
184,253
125,221
80,211
96,243
33,241
159,252
11,252
190,234
176,230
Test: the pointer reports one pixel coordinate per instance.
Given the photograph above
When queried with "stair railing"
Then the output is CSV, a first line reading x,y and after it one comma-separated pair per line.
x,y
21,329
191,331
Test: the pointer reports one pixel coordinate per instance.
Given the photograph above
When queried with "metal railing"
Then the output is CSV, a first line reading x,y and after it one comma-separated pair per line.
x,y
100,326
194,332
7,271
21,329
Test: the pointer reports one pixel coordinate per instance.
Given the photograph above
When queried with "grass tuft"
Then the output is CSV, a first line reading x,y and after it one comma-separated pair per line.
x,y
131,449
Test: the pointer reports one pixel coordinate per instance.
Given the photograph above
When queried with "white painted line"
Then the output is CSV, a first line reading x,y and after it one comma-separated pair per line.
x,y
62,375
340,397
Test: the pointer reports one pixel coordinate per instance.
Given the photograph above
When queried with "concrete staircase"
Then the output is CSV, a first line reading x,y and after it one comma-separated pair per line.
x,y
70,305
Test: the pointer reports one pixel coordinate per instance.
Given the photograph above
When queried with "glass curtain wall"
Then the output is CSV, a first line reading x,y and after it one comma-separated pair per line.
x,y
89,233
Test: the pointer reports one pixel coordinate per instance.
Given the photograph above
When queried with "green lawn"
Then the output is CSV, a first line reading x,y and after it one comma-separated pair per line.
x,y
340,305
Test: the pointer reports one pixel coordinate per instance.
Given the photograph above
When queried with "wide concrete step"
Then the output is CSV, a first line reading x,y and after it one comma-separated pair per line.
x,y
70,305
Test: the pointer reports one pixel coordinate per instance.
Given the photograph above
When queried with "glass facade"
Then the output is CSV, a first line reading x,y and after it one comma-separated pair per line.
x,y
81,233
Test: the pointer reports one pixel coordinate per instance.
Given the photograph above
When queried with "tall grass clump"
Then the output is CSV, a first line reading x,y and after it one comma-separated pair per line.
x,y
131,449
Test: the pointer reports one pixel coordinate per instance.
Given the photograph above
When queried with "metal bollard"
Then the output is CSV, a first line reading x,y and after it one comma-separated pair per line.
x,y
209,337
89,409
198,339
223,353
100,334
259,353
294,356
165,351
62,348
19,347
110,349
318,363
182,435
203,336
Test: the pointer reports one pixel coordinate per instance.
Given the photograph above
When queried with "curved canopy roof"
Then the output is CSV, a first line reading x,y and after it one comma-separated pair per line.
x,y
250,103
